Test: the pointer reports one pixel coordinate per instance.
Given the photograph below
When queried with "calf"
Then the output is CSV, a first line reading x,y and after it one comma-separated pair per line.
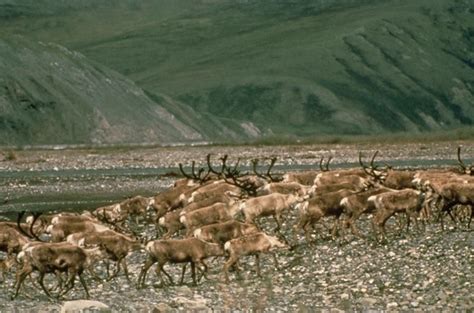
x,y
312,210
316,190
355,205
274,204
212,190
284,188
253,244
220,233
119,212
191,250
115,245
60,230
193,206
304,178
170,221
399,179
387,204
5,265
11,240
218,212
354,177
172,198
457,193
54,257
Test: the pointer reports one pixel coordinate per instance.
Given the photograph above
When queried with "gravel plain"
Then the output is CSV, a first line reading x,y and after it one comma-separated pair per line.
x,y
423,270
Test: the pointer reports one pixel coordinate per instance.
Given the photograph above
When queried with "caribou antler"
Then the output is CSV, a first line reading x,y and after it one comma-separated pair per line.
x,y
364,167
199,176
36,215
267,176
372,167
326,167
234,173
372,161
114,225
254,167
211,170
465,169
246,185
226,171
224,160
20,228
184,173
18,223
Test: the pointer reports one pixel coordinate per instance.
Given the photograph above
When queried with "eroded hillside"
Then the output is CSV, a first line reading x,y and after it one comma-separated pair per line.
x,y
50,95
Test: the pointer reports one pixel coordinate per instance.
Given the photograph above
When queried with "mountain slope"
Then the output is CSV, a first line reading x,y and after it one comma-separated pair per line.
x,y
233,70
395,66
50,95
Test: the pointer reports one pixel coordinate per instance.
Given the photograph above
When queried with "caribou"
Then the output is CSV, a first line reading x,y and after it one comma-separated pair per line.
x,y
312,210
115,245
218,212
253,244
207,204
220,233
51,257
189,250
386,204
273,204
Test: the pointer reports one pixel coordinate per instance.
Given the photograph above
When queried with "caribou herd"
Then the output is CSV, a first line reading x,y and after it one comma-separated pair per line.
x,y
219,212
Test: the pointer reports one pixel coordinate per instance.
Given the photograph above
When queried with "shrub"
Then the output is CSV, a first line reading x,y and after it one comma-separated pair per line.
x,y
10,155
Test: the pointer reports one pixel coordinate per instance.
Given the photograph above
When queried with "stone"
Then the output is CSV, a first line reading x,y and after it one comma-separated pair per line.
x,y
196,304
368,302
162,308
84,306
184,291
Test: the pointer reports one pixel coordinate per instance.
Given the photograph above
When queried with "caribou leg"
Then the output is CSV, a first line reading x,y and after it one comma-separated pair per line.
x,y
470,217
41,282
160,269
193,273
125,268
183,271
20,277
257,263
83,283
141,278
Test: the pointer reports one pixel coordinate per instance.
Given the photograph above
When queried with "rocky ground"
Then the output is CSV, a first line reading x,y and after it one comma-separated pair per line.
x,y
62,159
425,271
430,270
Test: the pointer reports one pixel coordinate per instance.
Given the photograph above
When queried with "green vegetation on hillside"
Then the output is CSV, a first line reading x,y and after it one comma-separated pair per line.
x,y
233,70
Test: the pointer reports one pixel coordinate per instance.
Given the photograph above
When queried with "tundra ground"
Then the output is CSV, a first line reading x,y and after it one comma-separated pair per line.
x,y
420,270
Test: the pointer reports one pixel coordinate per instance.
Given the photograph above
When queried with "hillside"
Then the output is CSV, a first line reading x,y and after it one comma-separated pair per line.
x,y
233,70
51,95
